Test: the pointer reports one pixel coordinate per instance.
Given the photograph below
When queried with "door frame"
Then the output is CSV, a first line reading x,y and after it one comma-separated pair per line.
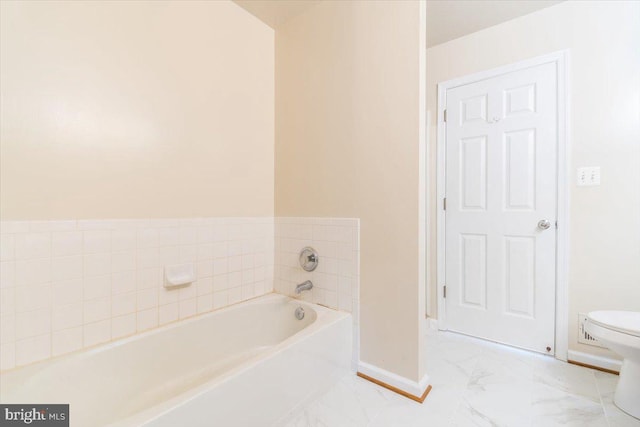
x,y
561,60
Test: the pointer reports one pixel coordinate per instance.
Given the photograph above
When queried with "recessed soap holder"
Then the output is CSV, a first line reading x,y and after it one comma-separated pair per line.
x,y
308,258
179,275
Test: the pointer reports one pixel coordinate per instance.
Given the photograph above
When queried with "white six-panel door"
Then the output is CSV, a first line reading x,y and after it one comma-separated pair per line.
x,y
501,183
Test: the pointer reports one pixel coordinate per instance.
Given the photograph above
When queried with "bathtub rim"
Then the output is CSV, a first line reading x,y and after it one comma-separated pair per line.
x,y
325,318
98,348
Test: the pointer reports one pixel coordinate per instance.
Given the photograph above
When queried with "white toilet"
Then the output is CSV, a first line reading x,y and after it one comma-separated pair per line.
x,y
620,332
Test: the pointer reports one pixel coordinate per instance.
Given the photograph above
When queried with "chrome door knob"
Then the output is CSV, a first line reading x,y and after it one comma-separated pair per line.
x,y
544,224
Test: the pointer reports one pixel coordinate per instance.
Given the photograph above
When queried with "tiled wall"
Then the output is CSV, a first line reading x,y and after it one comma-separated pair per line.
x,y
336,281
65,285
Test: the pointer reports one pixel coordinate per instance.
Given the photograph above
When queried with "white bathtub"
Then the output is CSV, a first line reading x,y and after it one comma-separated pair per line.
x,y
246,365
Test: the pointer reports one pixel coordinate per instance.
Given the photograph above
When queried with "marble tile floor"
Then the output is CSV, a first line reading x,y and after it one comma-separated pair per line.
x,y
475,383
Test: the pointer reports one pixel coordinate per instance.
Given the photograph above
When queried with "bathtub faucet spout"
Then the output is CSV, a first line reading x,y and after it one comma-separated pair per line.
x,y
305,286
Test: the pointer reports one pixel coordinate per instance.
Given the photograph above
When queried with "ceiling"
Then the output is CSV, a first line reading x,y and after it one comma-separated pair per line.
x,y
275,12
450,19
446,19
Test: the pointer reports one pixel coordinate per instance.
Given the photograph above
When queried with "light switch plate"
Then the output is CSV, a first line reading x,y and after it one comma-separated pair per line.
x,y
588,176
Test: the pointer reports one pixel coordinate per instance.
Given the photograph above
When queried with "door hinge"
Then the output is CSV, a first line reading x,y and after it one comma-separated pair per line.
x,y
445,115
444,204
444,291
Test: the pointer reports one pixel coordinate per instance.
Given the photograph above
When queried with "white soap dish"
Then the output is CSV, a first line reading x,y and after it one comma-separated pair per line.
x,y
179,275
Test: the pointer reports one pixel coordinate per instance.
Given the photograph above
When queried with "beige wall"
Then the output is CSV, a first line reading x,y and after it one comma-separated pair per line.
x,y
135,109
347,145
603,39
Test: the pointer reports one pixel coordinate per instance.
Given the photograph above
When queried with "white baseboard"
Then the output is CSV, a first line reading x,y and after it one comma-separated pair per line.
x,y
414,388
432,323
593,360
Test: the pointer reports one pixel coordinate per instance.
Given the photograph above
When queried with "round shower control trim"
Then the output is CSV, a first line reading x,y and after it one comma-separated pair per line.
x,y
308,258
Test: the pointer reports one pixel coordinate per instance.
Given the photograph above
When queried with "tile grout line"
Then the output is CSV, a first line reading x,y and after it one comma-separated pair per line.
x,y
606,417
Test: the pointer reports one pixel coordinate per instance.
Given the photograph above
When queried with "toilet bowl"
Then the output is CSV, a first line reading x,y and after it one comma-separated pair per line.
x,y
620,331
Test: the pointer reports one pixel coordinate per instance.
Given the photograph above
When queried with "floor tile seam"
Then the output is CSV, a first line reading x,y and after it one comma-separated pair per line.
x,y
606,416
563,389
595,381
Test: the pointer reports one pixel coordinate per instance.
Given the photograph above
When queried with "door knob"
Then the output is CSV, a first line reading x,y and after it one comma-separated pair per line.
x,y
544,224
